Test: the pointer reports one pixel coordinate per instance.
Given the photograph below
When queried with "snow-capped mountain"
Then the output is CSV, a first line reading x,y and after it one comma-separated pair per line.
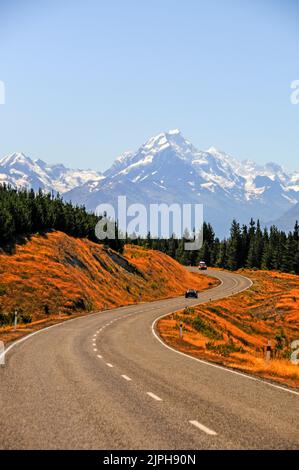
x,y
20,171
168,168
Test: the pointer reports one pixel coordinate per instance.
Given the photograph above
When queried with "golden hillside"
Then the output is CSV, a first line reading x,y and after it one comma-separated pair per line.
x,y
235,331
57,275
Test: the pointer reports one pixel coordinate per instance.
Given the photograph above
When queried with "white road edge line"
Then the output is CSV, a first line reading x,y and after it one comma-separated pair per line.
x,y
155,397
62,323
25,338
203,428
210,364
126,378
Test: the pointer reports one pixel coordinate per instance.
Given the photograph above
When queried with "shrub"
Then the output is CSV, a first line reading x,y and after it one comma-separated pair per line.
x,y
78,304
225,349
46,309
280,339
25,318
217,310
188,310
6,319
2,290
205,328
286,354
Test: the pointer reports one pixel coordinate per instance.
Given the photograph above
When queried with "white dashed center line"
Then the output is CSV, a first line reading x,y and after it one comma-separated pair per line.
x,y
126,378
195,423
155,397
203,428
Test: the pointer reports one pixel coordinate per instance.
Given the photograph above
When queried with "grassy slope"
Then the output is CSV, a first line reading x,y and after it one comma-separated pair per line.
x,y
73,276
247,320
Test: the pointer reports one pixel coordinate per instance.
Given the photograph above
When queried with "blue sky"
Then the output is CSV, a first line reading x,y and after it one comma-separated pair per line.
x,y
87,80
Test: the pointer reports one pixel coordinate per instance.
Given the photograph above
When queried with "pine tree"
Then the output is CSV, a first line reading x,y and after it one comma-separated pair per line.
x,y
288,263
234,247
221,260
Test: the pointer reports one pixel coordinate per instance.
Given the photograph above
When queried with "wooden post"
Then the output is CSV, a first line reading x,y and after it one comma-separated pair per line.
x,y
16,320
181,330
268,351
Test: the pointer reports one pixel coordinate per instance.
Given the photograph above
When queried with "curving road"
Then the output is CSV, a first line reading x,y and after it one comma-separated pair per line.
x,y
107,382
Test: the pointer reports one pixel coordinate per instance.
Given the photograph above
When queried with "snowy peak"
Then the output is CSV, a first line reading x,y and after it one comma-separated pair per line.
x,y
172,139
168,159
21,171
213,167
17,158
166,145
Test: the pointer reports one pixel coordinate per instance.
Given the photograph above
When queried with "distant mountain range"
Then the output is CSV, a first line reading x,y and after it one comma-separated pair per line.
x,y
288,219
168,168
19,171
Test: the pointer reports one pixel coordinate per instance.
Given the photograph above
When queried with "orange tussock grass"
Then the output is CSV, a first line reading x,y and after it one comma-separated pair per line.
x,y
70,276
236,330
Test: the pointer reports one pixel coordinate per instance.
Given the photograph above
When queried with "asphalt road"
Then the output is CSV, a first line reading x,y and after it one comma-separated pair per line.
x,y
106,382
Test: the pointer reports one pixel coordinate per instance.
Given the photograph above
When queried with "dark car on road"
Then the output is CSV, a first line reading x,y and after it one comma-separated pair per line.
x,y
191,293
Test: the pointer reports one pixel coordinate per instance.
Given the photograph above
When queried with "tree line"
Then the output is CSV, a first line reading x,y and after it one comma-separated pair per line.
x,y
26,212
248,246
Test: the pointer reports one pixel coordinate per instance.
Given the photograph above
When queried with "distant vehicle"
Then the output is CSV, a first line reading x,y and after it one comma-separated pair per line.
x,y
202,265
191,293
